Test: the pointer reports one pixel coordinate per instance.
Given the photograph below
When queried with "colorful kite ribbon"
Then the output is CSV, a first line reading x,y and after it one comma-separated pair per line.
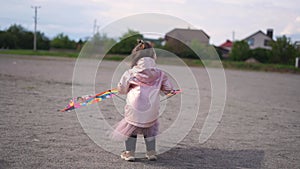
x,y
78,102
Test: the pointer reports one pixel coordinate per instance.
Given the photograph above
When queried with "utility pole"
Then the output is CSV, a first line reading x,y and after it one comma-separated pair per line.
x,y
35,24
95,27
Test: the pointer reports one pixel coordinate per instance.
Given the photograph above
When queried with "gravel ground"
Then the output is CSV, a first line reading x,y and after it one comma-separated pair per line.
x,y
260,127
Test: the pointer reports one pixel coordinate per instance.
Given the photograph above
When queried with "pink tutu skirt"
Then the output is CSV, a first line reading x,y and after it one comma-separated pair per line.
x,y
123,130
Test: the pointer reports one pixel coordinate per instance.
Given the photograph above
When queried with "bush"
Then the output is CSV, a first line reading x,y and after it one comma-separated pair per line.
x,y
260,54
240,51
62,41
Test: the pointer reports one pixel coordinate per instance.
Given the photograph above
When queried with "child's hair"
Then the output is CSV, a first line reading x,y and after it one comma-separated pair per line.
x,y
142,49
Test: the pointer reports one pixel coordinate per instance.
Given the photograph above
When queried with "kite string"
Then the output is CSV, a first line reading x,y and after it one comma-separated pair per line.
x,y
120,98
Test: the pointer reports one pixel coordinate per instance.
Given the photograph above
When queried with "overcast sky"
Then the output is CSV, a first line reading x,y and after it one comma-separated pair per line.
x,y
218,18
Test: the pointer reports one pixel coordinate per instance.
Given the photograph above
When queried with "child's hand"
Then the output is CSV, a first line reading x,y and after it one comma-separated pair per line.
x,y
173,91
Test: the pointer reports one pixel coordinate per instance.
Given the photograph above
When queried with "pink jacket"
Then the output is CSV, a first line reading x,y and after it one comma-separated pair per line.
x,y
142,84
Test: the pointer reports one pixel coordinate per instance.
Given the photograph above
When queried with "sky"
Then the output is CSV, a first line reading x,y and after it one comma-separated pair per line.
x,y
218,18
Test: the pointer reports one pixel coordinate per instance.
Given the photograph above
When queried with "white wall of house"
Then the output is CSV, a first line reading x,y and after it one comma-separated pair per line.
x,y
259,40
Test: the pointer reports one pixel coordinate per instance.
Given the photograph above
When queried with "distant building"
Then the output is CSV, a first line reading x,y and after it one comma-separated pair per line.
x,y
178,41
260,40
225,49
186,36
227,45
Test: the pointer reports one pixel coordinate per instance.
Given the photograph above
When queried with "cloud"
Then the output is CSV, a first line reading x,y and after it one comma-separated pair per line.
x,y
293,27
219,18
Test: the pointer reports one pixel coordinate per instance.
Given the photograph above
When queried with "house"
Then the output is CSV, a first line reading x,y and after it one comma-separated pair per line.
x,y
225,49
260,40
179,41
227,45
186,36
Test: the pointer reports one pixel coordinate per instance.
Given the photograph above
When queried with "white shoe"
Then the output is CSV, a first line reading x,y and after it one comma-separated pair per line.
x,y
151,155
128,155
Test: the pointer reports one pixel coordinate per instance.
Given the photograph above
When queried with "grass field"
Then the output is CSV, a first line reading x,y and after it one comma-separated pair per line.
x,y
40,53
191,62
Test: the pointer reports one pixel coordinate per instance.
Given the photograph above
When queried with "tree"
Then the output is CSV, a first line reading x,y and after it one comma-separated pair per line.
x,y
17,37
240,51
7,40
16,29
127,42
43,42
62,41
20,36
26,41
283,51
102,41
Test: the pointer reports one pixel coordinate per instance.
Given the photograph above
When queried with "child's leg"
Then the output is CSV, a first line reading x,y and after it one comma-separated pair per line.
x,y
150,146
130,143
150,143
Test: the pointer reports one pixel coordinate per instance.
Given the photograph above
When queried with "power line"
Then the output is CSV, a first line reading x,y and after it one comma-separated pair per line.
x,y
35,25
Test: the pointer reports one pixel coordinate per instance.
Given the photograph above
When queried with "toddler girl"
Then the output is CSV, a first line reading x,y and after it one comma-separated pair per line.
x,y
142,84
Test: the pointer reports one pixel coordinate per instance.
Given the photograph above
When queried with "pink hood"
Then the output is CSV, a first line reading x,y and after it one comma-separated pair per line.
x,y
145,71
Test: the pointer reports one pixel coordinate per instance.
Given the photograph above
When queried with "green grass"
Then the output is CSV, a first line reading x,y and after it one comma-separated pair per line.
x,y
40,53
260,67
191,62
243,65
72,54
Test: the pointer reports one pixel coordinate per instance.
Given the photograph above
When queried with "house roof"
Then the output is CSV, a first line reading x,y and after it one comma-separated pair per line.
x,y
187,34
227,44
258,32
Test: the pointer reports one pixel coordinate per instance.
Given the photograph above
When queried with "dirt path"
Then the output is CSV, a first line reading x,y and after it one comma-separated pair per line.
x,y
260,127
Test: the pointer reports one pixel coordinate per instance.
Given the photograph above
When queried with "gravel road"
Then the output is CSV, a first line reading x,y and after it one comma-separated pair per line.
x,y
260,127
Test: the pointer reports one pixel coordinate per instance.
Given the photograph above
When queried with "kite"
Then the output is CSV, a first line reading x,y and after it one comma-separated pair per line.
x,y
85,100
78,102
